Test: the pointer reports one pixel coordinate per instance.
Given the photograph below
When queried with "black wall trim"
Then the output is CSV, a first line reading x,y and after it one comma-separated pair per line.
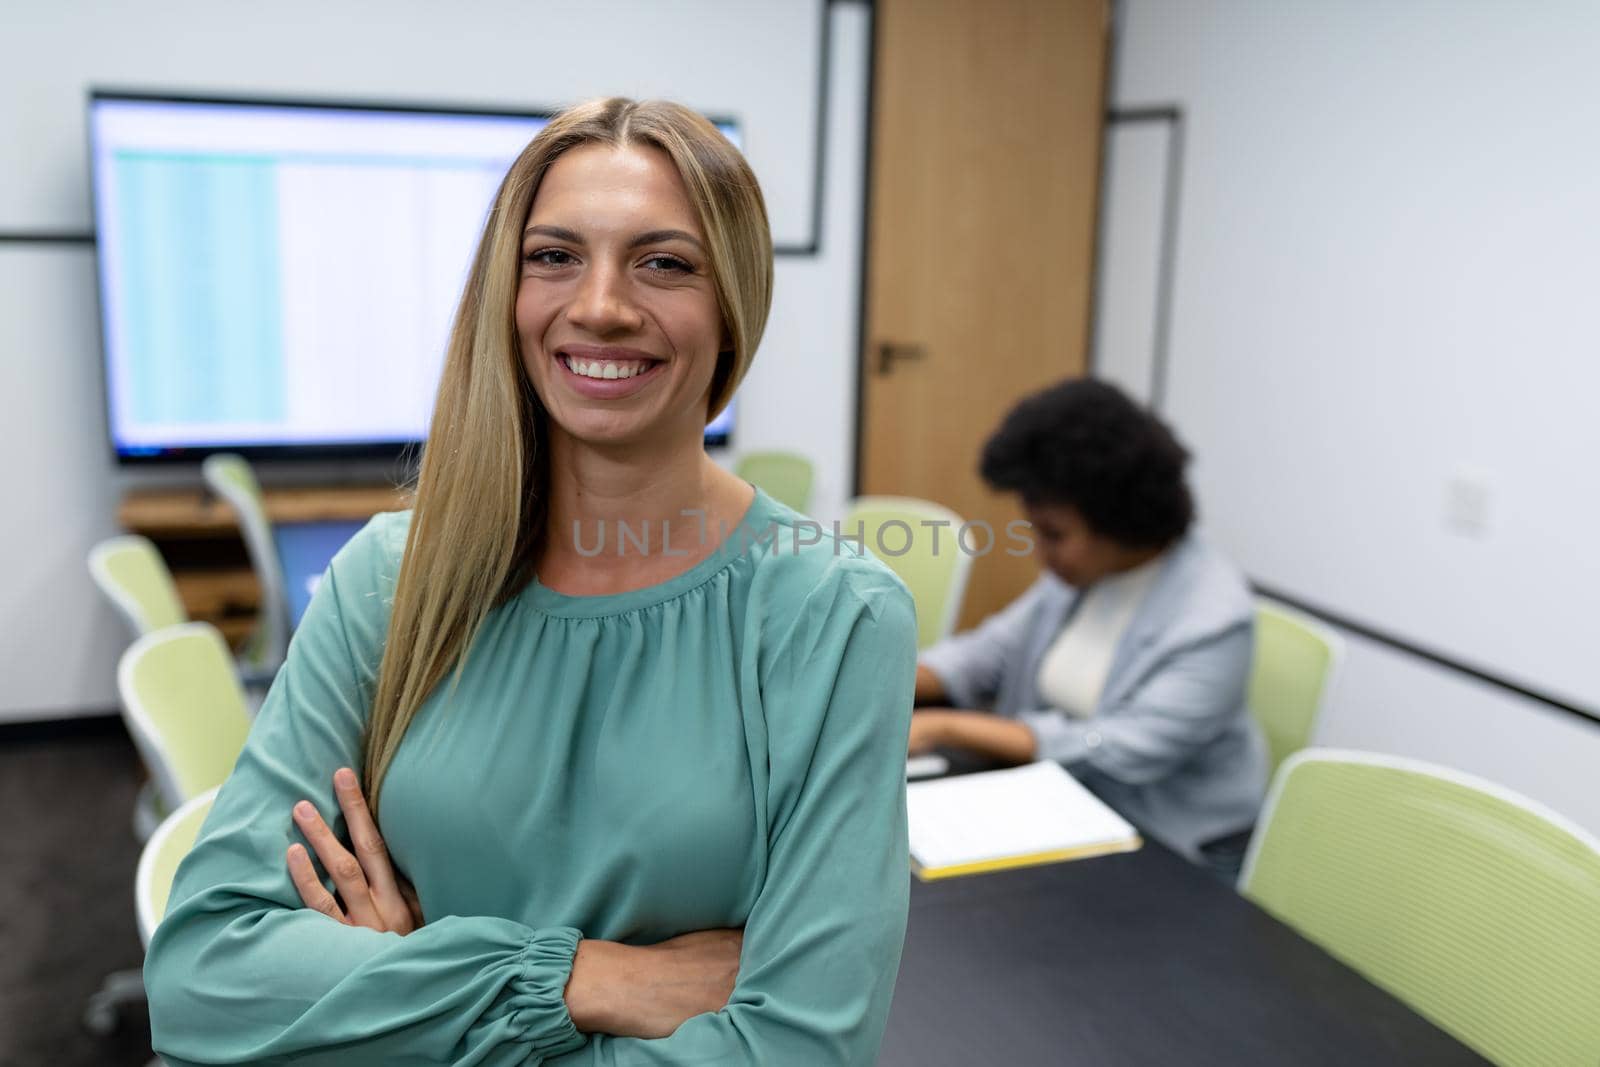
x,y
1169,260
45,237
1147,113
1108,82
819,155
868,150
1438,659
1166,276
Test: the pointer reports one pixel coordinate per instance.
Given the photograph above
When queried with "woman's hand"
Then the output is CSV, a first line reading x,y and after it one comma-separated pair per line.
x,y
929,687
928,729
972,731
649,991
371,893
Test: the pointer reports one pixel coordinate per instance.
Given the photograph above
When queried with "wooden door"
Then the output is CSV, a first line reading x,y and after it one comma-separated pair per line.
x,y
986,138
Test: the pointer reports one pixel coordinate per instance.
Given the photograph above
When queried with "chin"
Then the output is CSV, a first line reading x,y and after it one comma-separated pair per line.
x,y
608,432
600,428
610,429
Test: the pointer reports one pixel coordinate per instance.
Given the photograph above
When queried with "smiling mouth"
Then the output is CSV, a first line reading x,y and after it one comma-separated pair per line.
x,y
606,369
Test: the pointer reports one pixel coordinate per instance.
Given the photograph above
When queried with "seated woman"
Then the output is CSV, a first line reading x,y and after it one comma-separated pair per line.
x,y
639,754
1127,660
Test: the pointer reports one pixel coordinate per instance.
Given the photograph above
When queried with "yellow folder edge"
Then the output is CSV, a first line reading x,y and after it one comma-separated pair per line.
x,y
1030,859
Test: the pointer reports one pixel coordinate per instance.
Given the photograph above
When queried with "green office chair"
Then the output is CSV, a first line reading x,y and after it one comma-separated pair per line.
x,y
131,573
159,860
784,476
1296,660
152,885
936,574
1475,906
232,478
184,707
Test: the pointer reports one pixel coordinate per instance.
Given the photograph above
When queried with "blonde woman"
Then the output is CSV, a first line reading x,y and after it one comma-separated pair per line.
x,y
636,742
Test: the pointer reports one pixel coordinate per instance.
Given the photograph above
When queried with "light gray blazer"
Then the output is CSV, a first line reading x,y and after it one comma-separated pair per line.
x,y
1170,745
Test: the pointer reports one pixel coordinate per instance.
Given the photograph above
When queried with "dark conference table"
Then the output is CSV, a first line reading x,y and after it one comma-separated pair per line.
x,y
1136,959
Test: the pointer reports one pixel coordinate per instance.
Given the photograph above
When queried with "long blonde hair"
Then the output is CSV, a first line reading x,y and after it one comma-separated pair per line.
x,y
481,495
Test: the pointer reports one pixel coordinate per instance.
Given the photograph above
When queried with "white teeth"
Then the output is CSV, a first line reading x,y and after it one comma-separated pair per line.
x,y
605,369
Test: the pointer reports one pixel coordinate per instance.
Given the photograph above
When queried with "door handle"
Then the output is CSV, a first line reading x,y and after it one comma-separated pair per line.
x,y
889,352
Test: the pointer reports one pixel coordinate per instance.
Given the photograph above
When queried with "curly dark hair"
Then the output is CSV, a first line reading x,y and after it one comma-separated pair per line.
x,y
1084,444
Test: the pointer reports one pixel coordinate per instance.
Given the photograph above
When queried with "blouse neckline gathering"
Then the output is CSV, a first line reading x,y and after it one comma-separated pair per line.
x,y
740,539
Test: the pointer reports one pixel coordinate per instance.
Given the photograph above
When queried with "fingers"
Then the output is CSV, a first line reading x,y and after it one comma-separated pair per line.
x,y
368,843
348,876
370,850
312,892
408,893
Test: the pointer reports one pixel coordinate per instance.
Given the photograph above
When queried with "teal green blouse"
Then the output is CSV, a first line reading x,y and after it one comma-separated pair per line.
x,y
725,749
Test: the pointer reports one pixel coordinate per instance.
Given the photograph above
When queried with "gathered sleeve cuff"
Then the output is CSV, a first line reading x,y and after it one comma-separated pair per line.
x,y
536,996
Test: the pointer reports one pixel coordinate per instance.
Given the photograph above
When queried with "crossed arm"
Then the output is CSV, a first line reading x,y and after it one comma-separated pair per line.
x,y
623,990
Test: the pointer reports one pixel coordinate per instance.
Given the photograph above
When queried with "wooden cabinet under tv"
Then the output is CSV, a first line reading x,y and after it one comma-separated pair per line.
x,y
199,538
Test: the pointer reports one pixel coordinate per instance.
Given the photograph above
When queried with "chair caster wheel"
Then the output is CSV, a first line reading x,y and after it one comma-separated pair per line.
x,y
100,1016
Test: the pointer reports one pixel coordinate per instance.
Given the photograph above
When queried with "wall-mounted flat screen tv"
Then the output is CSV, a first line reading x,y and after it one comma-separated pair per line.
x,y
279,279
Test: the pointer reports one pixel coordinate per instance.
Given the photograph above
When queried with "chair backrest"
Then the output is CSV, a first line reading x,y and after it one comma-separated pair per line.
x,y
232,478
928,560
130,571
1476,906
158,862
184,707
784,476
1296,661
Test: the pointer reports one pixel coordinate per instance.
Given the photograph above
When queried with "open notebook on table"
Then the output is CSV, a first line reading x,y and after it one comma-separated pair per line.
x,y
1012,818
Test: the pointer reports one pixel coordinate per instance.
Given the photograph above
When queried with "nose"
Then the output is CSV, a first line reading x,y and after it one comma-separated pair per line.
x,y
602,304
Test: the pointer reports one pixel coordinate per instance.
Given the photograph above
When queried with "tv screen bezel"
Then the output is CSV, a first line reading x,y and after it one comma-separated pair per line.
x,y
287,453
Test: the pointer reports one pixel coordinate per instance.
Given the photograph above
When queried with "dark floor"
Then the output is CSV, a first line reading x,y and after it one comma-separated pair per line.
x,y
67,856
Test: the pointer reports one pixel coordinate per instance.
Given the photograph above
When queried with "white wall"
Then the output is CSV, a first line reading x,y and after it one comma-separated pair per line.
x,y
1389,238
755,61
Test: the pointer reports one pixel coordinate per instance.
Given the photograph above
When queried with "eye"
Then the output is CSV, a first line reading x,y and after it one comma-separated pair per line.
x,y
549,257
660,261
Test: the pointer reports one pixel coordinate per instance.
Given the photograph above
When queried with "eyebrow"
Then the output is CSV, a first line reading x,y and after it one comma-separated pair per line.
x,y
650,237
